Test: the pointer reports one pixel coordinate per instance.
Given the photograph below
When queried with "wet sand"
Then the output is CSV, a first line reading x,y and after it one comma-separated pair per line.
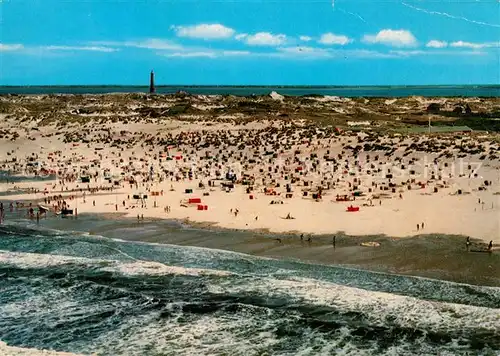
x,y
433,256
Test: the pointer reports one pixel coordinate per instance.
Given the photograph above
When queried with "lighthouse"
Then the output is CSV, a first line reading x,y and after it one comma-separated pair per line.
x,y
152,82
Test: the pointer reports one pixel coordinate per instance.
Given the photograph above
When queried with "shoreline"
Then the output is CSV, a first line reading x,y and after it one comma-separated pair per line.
x,y
105,203
216,225
441,257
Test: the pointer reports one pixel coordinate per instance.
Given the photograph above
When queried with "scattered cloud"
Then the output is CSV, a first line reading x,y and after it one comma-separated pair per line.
x,y
395,38
283,48
410,53
285,53
204,31
236,53
365,53
37,49
151,43
191,54
436,44
450,16
241,36
79,48
332,39
206,54
265,39
10,47
155,43
173,49
462,44
436,53
302,51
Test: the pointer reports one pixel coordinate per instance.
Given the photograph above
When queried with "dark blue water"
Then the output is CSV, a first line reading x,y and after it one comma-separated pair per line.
x,y
76,292
361,91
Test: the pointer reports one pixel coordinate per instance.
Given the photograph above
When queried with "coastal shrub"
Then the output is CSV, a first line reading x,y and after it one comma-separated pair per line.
x,y
5,108
434,107
178,109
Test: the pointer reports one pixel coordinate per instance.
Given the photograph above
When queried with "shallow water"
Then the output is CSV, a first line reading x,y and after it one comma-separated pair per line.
x,y
85,293
6,176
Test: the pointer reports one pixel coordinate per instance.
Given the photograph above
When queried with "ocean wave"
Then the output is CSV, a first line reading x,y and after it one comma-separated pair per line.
x,y
84,293
136,268
379,307
123,307
16,238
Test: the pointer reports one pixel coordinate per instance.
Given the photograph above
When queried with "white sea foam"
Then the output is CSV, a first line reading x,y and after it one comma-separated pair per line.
x,y
138,267
156,268
197,251
249,332
21,351
236,334
378,307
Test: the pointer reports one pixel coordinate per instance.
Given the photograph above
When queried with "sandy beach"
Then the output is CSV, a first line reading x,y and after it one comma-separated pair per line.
x,y
239,170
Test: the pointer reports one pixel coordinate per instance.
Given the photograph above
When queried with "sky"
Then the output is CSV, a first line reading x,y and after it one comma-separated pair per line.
x,y
249,42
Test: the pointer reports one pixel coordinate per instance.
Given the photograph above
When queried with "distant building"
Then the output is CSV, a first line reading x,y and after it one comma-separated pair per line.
x,y
152,82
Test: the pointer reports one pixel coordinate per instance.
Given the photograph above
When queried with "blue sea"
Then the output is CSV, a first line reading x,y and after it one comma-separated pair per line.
x,y
343,91
105,294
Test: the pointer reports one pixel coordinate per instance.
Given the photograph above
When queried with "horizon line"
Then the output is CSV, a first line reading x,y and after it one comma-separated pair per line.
x,y
249,86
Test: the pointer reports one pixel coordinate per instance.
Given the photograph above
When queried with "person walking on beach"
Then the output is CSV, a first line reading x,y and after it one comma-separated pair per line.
x,y
467,243
422,225
418,226
333,241
490,245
